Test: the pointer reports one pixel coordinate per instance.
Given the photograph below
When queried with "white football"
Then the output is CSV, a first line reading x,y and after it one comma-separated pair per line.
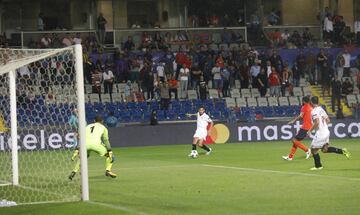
x,y
194,154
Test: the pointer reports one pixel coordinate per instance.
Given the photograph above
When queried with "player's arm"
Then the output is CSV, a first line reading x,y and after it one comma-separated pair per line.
x,y
191,114
300,116
315,125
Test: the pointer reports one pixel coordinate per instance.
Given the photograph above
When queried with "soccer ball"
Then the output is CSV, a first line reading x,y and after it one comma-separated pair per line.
x,y
193,154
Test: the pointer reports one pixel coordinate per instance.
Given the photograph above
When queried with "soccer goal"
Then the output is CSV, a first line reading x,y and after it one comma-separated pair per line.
x,y
38,91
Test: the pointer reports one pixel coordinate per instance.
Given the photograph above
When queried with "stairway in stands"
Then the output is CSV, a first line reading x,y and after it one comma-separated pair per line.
x,y
316,90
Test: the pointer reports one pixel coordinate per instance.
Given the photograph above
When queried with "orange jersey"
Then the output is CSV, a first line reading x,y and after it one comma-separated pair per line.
x,y
306,110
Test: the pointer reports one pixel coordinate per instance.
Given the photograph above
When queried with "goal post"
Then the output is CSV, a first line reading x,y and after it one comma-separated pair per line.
x,y
38,91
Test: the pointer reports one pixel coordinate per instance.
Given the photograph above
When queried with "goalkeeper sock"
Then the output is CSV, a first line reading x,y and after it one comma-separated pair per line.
x,y
108,163
205,148
334,150
193,147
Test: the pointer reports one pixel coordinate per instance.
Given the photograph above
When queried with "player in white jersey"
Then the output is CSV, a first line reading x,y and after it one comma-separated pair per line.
x,y
321,137
201,130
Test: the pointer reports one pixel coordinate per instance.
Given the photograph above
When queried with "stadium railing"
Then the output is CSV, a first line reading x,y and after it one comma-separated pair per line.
x,y
315,30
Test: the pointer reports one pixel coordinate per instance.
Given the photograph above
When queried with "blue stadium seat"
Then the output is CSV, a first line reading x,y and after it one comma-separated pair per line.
x,y
171,115
142,106
161,115
137,115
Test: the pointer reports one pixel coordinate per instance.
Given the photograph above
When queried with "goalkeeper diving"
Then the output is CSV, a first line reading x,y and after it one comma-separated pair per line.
x,y
97,140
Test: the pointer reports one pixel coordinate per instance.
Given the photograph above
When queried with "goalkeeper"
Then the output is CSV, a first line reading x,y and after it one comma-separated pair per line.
x,y
74,123
97,140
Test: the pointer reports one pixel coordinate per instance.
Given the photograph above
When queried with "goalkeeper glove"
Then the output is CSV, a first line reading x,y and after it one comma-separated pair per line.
x,y
111,156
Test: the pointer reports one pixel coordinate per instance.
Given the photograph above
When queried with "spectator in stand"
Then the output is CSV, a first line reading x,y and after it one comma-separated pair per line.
x,y
108,80
111,121
262,79
244,76
273,18
347,59
225,74
357,31
276,37
328,29
322,60
101,22
326,76
254,26
307,37
184,81
296,39
164,96
173,85
149,84
347,87
254,72
202,88
340,62
268,68
310,66
274,83
358,80
45,41
160,71
67,40
129,44
339,30
96,82
285,79
77,39
277,62
336,92
285,37
301,63
296,74
217,79
40,22
208,65
195,77
128,92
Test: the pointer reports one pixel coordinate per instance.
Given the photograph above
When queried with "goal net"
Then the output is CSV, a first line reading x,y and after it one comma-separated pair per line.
x,y
38,91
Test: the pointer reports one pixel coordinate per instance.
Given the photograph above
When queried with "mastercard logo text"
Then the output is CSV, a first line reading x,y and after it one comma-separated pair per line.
x,y
219,134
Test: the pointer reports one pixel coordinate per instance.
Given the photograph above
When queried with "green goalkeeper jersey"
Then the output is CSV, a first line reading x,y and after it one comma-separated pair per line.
x,y
97,133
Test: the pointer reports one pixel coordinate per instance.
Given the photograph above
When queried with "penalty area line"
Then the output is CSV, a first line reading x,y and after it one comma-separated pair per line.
x,y
281,172
116,207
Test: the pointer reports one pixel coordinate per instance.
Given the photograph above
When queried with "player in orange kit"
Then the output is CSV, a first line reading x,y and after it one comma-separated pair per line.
x,y
305,114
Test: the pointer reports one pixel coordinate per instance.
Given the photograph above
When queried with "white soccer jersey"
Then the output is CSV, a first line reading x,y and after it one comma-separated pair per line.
x,y
319,113
202,121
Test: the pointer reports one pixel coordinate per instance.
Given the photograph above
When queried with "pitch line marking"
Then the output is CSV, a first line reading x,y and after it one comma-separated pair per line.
x,y
116,207
150,167
280,172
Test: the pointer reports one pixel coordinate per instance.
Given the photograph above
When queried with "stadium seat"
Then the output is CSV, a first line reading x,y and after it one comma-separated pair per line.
x,y
94,98
213,93
214,47
358,98
273,101
171,115
230,102
105,98
255,93
235,93
351,100
131,105
297,91
303,82
137,115
237,84
234,46
262,102
294,100
245,93
307,91
161,116
192,94
280,111
224,46
220,105
241,102
251,102
142,106
215,114
283,101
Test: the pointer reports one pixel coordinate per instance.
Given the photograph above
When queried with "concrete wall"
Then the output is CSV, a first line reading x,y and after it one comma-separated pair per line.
x,y
120,16
300,12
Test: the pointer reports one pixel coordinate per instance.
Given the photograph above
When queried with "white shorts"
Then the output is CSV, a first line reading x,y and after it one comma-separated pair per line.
x,y
319,140
201,134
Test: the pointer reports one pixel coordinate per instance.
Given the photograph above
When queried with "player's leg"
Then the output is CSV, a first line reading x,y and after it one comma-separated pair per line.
x,y
102,151
317,161
330,149
193,145
204,146
77,167
75,145
297,144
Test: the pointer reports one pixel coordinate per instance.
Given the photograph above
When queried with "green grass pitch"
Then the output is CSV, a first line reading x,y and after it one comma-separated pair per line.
x,y
246,178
